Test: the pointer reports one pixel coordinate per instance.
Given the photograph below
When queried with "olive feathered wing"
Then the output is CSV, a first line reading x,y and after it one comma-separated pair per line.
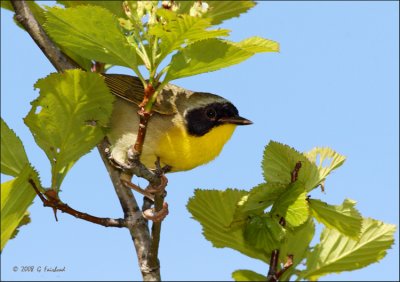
x,y
130,88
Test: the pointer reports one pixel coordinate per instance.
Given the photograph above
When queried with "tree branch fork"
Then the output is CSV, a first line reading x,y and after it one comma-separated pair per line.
x,y
146,244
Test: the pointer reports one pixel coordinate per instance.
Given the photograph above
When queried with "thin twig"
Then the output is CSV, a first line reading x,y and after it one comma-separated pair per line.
x,y
156,227
154,178
289,263
58,205
273,274
273,266
295,172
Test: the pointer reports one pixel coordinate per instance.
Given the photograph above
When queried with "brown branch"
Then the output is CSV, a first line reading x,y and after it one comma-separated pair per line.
x,y
56,204
273,266
136,224
273,274
154,178
295,172
156,228
137,168
144,118
25,17
289,263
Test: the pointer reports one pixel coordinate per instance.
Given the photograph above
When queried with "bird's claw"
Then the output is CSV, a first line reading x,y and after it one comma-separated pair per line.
x,y
160,189
151,214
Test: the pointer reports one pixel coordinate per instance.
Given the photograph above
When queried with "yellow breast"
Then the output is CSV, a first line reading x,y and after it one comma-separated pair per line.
x,y
183,151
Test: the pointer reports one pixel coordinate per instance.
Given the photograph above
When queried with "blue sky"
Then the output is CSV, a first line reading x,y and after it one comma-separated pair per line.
x,y
334,83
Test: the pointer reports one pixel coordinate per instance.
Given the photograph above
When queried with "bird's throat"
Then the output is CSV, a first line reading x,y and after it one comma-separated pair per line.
x,y
183,151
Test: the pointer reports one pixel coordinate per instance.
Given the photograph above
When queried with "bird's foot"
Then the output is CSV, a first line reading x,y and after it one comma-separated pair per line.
x,y
160,189
129,184
118,165
154,216
150,192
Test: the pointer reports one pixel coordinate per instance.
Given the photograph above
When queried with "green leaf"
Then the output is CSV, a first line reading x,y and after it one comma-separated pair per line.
x,y
296,243
114,6
220,11
16,196
334,160
214,210
257,200
92,32
264,233
247,275
213,54
69,117
337,252
6,4
258,44
279,162
205,56
181,30
292,205
13,156
344,218
26,219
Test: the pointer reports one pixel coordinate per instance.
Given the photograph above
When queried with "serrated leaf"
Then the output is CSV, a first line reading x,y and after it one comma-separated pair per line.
x,y
247,275
264,233
258,44
16,197
69,117
220,11
292,205
325,155
214,210
13,155
337,252
182,29
257,200
26,219
205,56
114,6
344,218
279,162
92,32
296,243
211,55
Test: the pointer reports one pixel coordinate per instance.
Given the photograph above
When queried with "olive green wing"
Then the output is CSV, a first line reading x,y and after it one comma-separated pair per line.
x,y
130,88
127,87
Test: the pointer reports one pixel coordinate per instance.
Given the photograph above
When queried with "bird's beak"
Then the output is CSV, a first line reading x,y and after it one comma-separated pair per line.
x,y
235,120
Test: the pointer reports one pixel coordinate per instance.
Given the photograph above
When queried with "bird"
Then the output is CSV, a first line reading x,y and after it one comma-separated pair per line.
x,y
187,128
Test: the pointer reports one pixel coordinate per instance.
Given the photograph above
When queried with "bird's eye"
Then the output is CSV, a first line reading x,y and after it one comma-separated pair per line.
x,y
211,113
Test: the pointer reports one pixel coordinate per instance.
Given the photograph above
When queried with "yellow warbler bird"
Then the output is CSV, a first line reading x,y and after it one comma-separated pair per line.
x,y
187,128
